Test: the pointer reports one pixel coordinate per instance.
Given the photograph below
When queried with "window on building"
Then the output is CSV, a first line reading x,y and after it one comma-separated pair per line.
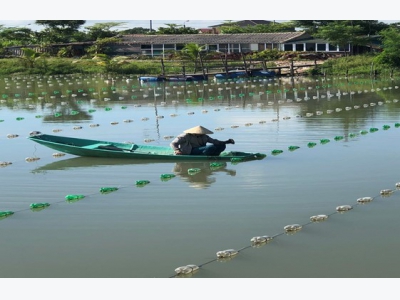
x,y
212,47
169,46
223,47
321,47
234,48
288,47
157,52
332,48
310,46
245,48
299,47
145,47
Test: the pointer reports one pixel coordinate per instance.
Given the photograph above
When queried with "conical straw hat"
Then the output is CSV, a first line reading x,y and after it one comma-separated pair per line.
x,y
198,130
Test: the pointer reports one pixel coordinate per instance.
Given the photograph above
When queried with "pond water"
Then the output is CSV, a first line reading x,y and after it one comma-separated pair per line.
x,y
347,132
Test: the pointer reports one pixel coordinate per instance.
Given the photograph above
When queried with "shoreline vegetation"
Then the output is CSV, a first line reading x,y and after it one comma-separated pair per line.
x,y
122,65
367,47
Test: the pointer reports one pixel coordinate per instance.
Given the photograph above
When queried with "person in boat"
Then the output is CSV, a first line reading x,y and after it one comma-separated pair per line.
x,y
195,141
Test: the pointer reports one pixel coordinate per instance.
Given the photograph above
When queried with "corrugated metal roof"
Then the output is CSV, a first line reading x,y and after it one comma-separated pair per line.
x,y
242,38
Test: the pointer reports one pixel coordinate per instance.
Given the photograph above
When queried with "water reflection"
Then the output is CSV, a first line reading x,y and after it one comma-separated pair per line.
x,y
199,174
200,177
92,162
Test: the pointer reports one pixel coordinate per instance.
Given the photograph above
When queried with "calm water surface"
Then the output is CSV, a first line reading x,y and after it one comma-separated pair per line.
x,y
147,232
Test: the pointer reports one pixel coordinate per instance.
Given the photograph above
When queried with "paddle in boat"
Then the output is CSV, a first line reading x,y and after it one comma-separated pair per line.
x,y
98,148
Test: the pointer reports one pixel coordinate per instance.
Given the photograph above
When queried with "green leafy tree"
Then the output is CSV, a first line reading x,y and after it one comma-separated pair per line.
x,y
366,27
14,36
102,30
311,26
102,46
341,34
176,29
390,56
59,31
135,30
230,28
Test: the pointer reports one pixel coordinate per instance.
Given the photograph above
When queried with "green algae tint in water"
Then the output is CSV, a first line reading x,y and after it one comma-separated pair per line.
x,y
149,232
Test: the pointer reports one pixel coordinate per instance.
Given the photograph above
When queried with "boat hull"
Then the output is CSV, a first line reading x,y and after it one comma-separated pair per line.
x,y
98,148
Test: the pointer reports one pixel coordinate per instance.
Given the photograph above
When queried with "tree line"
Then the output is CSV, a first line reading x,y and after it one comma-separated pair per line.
x,y
336,32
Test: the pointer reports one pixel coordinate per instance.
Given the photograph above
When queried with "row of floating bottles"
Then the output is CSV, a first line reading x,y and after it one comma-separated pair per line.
x,y
336,138
274,152
257,241
135,88
109,189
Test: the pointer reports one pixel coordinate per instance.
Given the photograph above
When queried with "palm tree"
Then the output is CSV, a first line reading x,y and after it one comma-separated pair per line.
x,y
192,52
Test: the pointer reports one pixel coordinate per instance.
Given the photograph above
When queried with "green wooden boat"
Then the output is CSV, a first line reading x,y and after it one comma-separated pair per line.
x,y
98,148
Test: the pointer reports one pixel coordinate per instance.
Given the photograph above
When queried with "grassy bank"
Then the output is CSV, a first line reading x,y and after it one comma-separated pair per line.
x,y
352,65
355,65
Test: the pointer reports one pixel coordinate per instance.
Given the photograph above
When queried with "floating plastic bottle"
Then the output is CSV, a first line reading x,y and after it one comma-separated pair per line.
x,y
5,214
193,171
363,132
338,138
343,208
386,127
39,205
58,154
19,118
397,125
12,136
364,200
260,239
227,253
142,182
318,218
31,159
216,165
5,163
166,177
188,269
292,228
276,152
106,190
292,148
386,192
373,129
74,197
324,141
352,135
311,144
